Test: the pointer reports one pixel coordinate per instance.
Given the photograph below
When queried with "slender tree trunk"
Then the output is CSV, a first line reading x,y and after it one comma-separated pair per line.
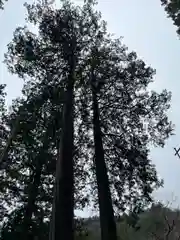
x,y
63,205
107,221
31,207
34,185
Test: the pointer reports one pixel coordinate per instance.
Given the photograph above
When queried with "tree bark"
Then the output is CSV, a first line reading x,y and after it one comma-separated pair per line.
x,y
107,221
63,204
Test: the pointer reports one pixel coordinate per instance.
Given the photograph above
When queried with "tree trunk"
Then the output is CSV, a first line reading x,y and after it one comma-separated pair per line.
x,y
63,204
30,208
107,221
34,185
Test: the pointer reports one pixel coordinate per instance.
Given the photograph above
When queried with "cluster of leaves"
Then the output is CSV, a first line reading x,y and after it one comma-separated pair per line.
x,y
172,8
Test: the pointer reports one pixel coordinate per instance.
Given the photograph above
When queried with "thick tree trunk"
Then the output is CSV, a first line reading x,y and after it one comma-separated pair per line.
x,y
107,221
63,204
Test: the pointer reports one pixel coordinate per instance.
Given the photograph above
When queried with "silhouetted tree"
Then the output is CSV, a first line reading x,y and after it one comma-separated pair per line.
x,y
122,100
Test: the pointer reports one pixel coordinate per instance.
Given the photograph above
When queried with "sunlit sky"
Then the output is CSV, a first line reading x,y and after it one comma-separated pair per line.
x,y
146,30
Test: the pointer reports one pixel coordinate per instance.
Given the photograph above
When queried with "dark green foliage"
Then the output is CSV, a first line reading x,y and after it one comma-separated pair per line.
x,y
172,7
157,222
2,3
3,137
13,228
26,175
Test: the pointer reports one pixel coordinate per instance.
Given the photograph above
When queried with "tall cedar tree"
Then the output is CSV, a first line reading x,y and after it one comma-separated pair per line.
x,y
71,41
64,168
63,202
126,108
129,130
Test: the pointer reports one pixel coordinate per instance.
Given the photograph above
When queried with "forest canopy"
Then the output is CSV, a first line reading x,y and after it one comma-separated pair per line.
x,y
81,132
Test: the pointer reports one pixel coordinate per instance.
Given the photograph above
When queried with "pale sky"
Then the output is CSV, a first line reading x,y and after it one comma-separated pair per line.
x,y
146,30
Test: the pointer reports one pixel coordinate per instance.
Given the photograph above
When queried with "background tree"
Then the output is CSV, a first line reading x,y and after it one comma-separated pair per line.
x,y
21,42
24,175
157,222
172,8
27,183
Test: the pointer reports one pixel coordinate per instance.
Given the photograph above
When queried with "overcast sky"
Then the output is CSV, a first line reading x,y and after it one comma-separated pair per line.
x,y
146,30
